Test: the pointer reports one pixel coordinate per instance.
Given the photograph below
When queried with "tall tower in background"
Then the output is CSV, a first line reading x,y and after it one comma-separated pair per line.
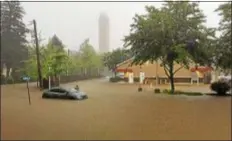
x,y
104,33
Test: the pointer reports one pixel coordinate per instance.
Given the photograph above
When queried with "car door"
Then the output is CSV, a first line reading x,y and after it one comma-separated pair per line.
x,y
58,93
54,93
62,93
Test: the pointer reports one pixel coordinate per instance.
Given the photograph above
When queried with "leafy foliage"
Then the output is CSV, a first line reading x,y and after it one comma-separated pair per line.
x,y
56,61
90,60
111,59
224,48
167,91
115,79
174,34
13,35
55,41
220,87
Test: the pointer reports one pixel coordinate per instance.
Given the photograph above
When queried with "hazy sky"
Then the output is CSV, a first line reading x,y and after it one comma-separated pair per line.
x,y
73,22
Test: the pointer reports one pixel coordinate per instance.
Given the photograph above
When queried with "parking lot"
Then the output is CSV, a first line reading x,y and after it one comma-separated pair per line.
x,y
113,111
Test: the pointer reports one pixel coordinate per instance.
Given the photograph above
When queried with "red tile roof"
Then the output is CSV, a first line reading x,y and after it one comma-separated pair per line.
x,y
124,70
201,69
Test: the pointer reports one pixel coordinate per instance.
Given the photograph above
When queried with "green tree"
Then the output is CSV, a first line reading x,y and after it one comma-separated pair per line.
x,y
224,48
30,65
13,35
111,59
55,41
55,59
75,65
173,34
90,60
53,62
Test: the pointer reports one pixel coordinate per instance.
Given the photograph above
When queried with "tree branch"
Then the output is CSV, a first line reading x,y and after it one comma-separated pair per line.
x,y
178,69
166,70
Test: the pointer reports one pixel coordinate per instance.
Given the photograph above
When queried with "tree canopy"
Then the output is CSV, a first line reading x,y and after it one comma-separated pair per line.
x,y
13,35
224,48
55,62
55,41
173,34
111,59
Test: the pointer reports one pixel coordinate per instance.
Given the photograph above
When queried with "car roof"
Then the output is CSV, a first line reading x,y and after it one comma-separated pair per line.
x,y
57,88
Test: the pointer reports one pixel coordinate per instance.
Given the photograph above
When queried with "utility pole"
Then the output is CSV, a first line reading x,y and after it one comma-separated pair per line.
x,y
37,55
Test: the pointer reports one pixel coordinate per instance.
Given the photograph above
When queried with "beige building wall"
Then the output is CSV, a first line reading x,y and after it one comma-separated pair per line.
x,y
151,69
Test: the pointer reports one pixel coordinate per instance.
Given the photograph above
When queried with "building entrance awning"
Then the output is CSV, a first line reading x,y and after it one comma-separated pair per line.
x,y
202,69
124,70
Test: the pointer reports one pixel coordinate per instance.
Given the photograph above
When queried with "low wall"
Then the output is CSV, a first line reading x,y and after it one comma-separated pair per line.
x,y
63,79
71,78
165,80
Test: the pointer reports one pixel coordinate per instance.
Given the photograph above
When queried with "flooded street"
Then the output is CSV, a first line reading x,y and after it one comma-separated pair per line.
x,y
113,112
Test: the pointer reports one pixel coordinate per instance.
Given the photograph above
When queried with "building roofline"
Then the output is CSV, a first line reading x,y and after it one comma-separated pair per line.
x,y
119,64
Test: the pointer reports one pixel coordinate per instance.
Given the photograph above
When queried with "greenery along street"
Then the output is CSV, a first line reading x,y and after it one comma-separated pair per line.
x,y
19,54
174,33
86,61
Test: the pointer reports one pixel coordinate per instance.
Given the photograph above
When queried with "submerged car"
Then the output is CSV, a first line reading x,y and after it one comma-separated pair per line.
x,y
64,93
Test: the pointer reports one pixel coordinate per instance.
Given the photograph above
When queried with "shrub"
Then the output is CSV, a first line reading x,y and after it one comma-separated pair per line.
x,y
125,79
140,89
220,87
136,79
116,79
178,92
166,91
157,90
188,93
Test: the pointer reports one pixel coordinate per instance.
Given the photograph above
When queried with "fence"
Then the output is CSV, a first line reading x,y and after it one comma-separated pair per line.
x,y
63,79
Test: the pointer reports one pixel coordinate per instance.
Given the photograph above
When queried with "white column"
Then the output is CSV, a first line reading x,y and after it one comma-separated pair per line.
x,y
130,78
141,77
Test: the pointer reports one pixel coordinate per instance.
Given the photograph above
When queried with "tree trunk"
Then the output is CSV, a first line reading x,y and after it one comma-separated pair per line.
x,y
115,73
171,77
56,80
59,80
172,83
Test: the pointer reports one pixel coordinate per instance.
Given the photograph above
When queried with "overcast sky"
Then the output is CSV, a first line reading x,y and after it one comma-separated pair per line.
x,y
73,22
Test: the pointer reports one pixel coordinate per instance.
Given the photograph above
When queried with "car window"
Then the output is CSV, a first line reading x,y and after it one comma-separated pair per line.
x,y
58,90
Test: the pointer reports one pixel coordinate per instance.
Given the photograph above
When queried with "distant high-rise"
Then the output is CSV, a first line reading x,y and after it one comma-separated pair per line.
x,y
104,33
